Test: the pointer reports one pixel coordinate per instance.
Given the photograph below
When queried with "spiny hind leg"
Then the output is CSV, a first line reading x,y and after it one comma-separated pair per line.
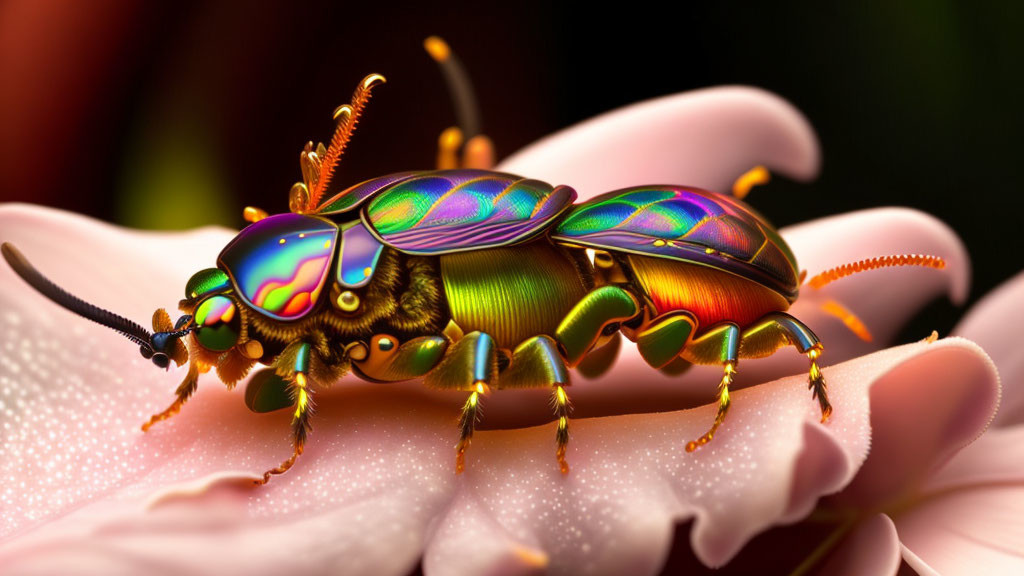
x,y
722,344
471,364
779,329
537,363
293,364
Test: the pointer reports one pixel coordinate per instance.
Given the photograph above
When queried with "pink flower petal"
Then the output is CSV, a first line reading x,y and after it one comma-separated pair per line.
x,y
994,323
87,489
968,531
968,515
916,428
872,549
995,458
704,138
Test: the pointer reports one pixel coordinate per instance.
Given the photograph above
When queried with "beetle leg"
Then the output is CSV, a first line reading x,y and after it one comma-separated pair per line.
x,y
665,338
467,425
562,409
816,382
593,320
299,360
726,340
779,329
184,391
537,363
471,364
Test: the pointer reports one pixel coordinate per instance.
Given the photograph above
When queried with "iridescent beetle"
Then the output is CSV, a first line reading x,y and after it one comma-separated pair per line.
x,y
474,280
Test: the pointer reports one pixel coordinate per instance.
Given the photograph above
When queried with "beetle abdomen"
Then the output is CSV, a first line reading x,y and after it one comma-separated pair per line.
x,y
711,295
512,293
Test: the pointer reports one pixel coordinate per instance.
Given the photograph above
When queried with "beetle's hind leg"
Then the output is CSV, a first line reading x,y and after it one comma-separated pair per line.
x,y
723,341
816,382
471,364
779,329
294,364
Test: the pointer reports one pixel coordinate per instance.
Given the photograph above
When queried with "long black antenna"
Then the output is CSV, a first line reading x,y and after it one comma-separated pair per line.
x,y
29,274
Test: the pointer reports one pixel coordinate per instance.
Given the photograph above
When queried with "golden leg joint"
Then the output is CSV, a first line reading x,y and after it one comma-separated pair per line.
x,y
816,383
467,423
300,426
562,409
723,408
184,391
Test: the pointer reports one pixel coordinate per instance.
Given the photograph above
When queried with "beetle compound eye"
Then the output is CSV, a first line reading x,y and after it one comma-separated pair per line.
x,y
206,282
218,323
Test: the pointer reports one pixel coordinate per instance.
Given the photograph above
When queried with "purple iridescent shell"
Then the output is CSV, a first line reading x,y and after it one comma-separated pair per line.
x,y
455,210
686,224
354,196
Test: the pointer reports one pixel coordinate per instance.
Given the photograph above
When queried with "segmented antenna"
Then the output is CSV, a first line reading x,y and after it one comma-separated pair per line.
x,y
829,276
34,278
348,117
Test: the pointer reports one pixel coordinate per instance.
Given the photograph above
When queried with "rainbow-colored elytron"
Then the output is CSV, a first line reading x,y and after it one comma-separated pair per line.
x,y
687,224
450,210
280,264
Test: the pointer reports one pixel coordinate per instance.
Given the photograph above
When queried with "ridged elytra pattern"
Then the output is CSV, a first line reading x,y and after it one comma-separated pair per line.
x,y
457,210
686,224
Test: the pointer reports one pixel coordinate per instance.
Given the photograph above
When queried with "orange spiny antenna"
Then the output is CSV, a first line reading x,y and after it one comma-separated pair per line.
x,y
845,270
347,116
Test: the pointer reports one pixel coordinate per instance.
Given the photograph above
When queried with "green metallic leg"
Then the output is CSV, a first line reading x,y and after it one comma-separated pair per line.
x,y
471,364
293,364
599,360
537,363
779,329
726,340
593,319
384,360
664,340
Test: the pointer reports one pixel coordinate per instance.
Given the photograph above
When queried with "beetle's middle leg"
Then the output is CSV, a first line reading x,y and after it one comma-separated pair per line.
x,y
293,363
779,329
471,364
537,363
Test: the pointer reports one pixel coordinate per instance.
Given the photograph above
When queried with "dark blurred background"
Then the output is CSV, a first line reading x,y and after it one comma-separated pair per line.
x,y
179,114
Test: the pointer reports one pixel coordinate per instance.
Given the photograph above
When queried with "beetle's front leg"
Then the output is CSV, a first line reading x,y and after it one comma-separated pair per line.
x,y
185,390
177,351
294,365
